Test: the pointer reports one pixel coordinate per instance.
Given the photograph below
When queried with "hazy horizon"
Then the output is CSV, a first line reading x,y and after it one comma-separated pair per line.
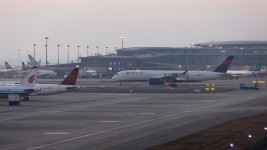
x,y
160,23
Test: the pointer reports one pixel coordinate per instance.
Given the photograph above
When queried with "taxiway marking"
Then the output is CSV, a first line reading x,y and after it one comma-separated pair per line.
x,y
56,133
141,122
109,121
148,113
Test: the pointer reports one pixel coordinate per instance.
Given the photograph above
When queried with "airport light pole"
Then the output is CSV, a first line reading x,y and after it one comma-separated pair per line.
x,y
122,38
19,56
78,52
33,51
46,38
115,48
241,56
27,56
87,50
106,50
58,54
68,52
96,50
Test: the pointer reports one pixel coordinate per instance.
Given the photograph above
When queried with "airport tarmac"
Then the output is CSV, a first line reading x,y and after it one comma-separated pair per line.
x,y
122,120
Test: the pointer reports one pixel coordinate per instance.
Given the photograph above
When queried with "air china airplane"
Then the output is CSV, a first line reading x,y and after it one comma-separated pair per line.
x,y
157,77
67,84
16,91
50,89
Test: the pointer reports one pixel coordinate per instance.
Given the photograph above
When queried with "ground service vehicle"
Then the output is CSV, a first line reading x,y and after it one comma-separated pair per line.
x,y
246,86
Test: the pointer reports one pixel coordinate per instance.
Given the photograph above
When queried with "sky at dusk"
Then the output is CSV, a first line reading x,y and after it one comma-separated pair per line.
x,y
102,23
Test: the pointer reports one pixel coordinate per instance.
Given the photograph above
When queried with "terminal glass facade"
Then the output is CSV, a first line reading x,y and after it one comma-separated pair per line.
x,y
200,55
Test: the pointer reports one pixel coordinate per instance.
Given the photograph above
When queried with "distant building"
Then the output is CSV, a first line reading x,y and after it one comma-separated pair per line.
x,y
196,57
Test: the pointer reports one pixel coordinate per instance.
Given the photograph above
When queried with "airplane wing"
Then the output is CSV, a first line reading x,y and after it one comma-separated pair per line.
x,y
169,80
174,76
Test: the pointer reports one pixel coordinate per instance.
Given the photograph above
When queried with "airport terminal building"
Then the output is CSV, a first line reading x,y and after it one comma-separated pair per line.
x,y
196,56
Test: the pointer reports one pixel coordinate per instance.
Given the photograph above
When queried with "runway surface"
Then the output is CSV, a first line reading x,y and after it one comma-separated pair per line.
x,y
120,120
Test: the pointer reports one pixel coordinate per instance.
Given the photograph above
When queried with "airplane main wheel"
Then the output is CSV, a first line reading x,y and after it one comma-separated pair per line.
x,y
14,103
17,103
10,103
26,98
172,85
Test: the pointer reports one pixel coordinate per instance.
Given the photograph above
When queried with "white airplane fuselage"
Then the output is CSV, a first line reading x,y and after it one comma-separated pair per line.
x,y
51,89
41,89
14,89
144,75
240,73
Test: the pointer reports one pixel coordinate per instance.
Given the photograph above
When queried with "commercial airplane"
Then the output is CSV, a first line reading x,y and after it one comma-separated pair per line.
x,y
253,71
42,73
16,91
7,65
170,77
9,72
88,74
9,68
33,62
69,83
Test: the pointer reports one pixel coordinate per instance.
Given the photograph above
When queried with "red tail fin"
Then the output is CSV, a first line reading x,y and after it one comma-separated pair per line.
x,y
223,67
71,78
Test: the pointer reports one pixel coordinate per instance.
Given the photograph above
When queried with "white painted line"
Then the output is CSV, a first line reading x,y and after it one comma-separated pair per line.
x,y
100,132
56,133
185,105
148,113
137,123
200,108
109,121
122,94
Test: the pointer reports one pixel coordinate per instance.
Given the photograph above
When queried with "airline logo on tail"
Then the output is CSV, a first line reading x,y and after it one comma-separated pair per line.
x,y
225,65
31,79
256,67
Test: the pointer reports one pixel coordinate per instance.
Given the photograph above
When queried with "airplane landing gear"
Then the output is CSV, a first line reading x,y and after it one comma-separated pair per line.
x,y
26,98
172,85
13,99
14,103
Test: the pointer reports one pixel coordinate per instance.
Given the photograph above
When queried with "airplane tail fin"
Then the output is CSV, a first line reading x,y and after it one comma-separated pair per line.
x,y
33,61
255,67
30,79
223,67
8,66
71,78
23,66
